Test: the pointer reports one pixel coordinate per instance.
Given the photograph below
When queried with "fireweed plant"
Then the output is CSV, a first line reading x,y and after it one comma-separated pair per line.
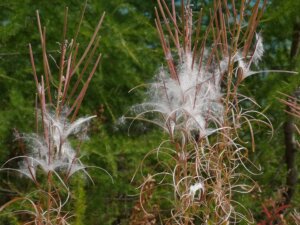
x,y
48,153
196,100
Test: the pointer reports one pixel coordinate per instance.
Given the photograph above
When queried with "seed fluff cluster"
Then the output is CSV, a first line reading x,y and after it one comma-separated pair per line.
x,y
55,152
193,102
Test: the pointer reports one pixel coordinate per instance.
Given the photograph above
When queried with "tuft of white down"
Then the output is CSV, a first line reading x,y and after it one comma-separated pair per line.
x,y
259,49
55,152
60,129
193,103
199,186
255,57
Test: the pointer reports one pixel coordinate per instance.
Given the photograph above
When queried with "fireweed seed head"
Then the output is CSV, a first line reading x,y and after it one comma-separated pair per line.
x,y
54,152
193,102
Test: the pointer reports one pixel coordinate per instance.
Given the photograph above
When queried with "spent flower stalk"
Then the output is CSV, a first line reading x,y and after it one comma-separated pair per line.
x,y
49,150
197,102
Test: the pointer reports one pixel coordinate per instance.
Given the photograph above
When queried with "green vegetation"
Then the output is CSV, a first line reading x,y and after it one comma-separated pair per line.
x,y
131,56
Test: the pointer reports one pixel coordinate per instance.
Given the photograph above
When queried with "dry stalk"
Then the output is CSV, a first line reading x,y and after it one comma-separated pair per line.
x,y
57,106
141,214
198,102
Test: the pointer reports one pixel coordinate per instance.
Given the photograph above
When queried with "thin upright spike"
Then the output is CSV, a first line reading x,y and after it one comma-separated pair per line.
x,y
75,87
80,97
90,44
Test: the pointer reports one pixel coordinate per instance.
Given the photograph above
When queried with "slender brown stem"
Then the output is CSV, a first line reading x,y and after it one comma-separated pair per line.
x,y
89,45
80,97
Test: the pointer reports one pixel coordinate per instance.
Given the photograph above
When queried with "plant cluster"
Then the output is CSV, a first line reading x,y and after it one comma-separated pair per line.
x,y
50,157
196,100
203,166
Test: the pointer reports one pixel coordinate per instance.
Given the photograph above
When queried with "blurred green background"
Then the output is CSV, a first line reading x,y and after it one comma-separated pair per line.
x,y
131,56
